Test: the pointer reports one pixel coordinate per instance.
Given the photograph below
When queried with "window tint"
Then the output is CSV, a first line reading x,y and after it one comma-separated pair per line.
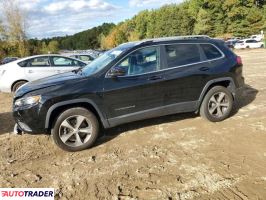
x,y
36,62
182,54
251,41
142,61
64,62
211,51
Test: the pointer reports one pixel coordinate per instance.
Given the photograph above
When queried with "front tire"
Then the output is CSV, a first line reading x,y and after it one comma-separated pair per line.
x,y
75,129
217,104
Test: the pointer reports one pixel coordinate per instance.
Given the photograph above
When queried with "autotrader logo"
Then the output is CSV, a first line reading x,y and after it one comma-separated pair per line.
x,y
26,194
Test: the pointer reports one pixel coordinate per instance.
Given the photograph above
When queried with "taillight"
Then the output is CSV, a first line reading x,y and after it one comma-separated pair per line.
x,y
239,60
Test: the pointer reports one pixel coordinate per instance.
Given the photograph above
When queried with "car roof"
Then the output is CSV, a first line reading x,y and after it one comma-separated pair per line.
x,y
43,55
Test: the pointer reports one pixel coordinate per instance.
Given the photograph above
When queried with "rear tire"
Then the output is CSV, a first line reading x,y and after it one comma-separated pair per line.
x,y
75,129
217,104
17,85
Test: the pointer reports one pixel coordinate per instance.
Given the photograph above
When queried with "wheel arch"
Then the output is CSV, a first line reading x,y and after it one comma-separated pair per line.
x,y
20,80
226,82
58,108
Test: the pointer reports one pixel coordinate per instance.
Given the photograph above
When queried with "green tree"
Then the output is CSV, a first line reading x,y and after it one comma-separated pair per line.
x,y
53,47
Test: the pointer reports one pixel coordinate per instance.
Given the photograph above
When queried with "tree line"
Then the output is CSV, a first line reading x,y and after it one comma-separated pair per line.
x,y
216,18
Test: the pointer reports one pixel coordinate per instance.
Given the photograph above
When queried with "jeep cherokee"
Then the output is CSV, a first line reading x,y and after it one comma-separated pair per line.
x,y
134,81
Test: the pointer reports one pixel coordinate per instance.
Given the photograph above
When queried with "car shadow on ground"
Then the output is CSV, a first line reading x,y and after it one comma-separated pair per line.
x,y
112,133
249,95
6,123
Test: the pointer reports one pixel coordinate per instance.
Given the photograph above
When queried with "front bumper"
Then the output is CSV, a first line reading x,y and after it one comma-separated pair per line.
x,y
30,120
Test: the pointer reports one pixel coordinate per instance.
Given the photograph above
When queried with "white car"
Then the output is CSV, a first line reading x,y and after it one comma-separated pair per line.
x,y
84,57
257,37
248,43
17,73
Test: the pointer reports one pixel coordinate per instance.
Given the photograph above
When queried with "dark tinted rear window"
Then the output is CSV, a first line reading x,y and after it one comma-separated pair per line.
x,y
211,51
182,54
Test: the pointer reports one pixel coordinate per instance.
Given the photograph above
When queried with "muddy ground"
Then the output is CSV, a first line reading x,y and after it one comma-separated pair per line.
x,y
174,157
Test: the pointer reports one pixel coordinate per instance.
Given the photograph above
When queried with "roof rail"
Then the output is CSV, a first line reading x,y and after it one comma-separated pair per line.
x,y
181,37
170,38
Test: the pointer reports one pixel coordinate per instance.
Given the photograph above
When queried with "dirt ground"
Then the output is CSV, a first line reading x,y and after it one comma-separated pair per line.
x,y
174,157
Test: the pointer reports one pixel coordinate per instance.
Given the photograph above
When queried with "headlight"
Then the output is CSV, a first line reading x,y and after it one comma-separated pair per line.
x,y
27,101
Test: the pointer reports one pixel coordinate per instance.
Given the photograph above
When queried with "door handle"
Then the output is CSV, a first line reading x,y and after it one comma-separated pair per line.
x,y
204,69
58,71
154,78
30,71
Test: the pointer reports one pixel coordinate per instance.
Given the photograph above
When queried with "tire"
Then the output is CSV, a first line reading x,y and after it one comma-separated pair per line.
x,y
67,133
247,47
262,46
17,85
217,104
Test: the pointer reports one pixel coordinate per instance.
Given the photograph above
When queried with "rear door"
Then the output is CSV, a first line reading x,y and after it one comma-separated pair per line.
x,y
62,64
188,69
37,68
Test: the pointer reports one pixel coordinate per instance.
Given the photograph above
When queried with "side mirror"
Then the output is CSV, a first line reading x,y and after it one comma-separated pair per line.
x,y
117,71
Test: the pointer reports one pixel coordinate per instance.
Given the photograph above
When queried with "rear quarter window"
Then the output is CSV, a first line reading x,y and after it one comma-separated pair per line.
x,y
211,52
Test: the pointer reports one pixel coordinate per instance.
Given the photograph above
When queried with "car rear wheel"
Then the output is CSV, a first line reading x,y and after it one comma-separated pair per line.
x,y
217,104
75,129
17,85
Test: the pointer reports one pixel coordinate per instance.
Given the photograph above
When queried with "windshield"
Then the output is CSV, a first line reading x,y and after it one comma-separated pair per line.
x,y
101,62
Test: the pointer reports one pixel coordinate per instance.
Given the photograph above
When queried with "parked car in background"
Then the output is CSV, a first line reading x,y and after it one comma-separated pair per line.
x,y
258,38
83,57
17,73
8,60
231,43
135,81
248,43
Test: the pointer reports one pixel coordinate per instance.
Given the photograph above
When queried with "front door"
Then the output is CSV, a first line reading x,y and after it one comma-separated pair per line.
x,y
62,64
132,96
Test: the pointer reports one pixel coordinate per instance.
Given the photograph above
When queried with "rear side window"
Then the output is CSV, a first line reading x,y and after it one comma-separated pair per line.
x,y
36,62
182,54
211,51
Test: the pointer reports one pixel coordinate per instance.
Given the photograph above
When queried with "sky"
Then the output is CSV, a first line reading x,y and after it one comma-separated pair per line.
x,y
49,18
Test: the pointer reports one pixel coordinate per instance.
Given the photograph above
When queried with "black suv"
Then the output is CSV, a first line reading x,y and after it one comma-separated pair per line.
x,y
135,81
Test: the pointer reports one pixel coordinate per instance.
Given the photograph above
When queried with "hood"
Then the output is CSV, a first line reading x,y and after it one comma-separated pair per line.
x,y
47,82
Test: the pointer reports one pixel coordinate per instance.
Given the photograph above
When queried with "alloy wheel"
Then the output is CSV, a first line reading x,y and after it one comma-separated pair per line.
x,y
75,131
218,104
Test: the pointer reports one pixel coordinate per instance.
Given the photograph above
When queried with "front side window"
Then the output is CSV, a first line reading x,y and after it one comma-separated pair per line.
x,y
86,58
182,54
64,62
142,61
211,52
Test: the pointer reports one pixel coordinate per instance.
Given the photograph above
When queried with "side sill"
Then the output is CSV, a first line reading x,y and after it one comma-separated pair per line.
x,y
155,112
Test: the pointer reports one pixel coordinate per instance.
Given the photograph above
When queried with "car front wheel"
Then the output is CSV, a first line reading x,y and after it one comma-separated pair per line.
x,y
75,129
217,104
